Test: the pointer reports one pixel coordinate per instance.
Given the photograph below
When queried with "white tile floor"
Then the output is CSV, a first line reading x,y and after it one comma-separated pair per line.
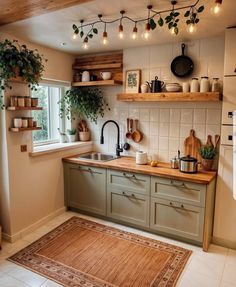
x,y
216,268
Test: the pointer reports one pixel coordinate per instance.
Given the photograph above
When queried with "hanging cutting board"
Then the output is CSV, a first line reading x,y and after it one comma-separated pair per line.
x,y
192,145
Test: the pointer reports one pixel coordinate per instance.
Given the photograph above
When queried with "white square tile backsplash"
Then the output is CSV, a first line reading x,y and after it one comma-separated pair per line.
x,y
165,125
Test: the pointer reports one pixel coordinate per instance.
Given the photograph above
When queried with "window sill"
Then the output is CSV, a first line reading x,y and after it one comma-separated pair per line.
x,y
52,148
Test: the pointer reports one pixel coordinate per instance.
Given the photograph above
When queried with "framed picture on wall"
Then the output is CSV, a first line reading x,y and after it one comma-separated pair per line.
x,y
132,81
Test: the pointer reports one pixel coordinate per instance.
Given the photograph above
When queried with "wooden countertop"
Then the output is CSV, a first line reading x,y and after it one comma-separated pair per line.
x,y
128,164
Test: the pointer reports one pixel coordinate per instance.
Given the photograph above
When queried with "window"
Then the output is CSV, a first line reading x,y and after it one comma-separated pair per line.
x,y
48,118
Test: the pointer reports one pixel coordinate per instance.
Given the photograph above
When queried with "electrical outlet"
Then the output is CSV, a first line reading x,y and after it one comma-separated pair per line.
x,y
23,148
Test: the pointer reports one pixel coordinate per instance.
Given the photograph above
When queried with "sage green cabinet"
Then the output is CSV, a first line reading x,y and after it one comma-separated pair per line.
x,y
128,207
85,188
178,219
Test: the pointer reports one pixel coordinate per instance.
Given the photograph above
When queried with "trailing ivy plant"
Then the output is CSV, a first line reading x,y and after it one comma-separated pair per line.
x,y
192,15
83,102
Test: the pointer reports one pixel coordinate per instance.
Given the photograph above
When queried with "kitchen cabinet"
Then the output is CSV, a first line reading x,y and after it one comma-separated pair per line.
x,y
229,102
85,188
230,55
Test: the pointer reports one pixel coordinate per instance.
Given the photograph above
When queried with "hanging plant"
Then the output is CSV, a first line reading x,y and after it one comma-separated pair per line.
x,y
172,21
83,102
192,15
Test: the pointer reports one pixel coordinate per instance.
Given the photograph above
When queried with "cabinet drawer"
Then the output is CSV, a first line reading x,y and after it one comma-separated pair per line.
x,y
191,193
134,182
229,100
128,207
227,135
177,219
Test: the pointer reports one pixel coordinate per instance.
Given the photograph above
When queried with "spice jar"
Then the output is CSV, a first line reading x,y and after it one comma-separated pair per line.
x,y
215,87
17,122
34,102
27,101
205,85
21,101
24,122
30,122
13,101
194,85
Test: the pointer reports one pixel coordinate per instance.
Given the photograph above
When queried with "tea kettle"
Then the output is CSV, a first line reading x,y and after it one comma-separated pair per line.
x,y
155,85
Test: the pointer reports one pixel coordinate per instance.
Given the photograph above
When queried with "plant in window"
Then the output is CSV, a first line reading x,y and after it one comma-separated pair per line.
x,y
83,102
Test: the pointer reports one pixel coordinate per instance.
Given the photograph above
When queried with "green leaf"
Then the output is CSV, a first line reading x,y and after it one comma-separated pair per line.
x,y
95,30
200,9
177,20
160,22
74,27
170,25
196,21
90,36
76,31
168,19
81,34
176,30
152,24
176,14
187,13
188,22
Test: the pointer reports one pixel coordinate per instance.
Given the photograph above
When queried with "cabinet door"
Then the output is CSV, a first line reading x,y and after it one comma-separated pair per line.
x,y
225,207
229,100
86,188
178,219
128,207
230,55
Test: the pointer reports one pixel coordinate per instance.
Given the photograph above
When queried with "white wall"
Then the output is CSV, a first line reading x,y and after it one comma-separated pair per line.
x,y
165,125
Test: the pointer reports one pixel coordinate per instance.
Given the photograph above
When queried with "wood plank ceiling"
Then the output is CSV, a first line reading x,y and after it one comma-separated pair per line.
x,y
15,10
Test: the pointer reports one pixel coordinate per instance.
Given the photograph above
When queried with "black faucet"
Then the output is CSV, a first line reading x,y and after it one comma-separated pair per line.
x,y
118,148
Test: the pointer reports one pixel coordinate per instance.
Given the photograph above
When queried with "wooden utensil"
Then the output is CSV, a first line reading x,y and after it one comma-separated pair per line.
x,y
129,129
137,136
209,140
217,139
192,145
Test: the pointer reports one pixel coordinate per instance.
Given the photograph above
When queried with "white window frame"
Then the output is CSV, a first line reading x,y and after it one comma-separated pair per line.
x,y
52,110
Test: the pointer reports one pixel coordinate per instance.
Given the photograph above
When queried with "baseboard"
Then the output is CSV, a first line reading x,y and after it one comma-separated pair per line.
x,y
13,238
224,242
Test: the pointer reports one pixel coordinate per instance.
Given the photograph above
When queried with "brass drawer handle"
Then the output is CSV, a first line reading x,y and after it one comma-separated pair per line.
x,y
132,195
178,185
182,206
171,204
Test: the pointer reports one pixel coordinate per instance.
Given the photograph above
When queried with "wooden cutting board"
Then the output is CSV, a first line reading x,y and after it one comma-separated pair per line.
x,y
192,145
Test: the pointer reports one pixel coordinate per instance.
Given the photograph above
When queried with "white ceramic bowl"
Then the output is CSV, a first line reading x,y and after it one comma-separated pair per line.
x,y
173,87
106,75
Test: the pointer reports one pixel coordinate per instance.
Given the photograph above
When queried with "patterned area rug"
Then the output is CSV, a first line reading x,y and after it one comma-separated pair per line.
x,y
84,253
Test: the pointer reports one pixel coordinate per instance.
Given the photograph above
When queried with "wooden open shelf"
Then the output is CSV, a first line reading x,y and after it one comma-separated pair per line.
x,y
24,108
97,83
97,66
17,130
170,97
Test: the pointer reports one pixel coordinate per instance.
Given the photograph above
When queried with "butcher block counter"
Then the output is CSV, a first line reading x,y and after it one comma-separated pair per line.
x,y
128,164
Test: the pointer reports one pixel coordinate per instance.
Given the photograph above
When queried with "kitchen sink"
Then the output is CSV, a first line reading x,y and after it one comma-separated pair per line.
x,y
97,156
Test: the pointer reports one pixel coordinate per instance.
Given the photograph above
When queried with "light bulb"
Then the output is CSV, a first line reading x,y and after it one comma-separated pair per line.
x,y
216,9
172,31
135,33
192,28
147,33
121,32
104,38
74,36
85,45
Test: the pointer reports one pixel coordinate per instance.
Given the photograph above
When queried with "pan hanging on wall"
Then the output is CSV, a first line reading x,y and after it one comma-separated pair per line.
x,y
182,66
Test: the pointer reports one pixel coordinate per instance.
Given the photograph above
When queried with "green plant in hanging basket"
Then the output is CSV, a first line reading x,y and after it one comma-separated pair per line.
x,y
83,102
207,151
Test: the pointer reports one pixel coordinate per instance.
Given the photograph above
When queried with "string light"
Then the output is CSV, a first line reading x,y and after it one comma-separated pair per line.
x,y
135,32
121,28
85,44
192,28
217,8
147,33
105,36
74,36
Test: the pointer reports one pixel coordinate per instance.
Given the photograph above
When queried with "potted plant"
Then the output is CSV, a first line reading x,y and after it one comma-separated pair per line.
x,y
62,136
83,102
18,61
207,153
71,135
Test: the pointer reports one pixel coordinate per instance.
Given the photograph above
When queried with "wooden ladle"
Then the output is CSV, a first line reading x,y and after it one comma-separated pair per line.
x,y
129,129
137,136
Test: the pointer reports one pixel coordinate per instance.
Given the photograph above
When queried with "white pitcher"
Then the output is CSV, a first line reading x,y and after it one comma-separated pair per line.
x,y
85,76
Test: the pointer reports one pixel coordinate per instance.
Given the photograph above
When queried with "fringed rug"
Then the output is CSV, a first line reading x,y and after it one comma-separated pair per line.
x,y
84,253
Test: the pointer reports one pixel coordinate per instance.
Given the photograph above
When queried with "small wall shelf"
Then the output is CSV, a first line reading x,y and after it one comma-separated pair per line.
x,y
97,66
24,108
97,83
170,97
17,130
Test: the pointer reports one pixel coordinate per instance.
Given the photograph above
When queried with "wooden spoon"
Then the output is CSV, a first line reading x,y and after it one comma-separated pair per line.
x,y
217,139
209,141
137,136
129,129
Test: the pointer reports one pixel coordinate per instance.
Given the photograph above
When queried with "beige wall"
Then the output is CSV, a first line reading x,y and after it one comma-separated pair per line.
x,y
31,188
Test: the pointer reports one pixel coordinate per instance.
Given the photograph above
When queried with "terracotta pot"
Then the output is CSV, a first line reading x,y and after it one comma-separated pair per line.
x,y
84,136
16,71
207,164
